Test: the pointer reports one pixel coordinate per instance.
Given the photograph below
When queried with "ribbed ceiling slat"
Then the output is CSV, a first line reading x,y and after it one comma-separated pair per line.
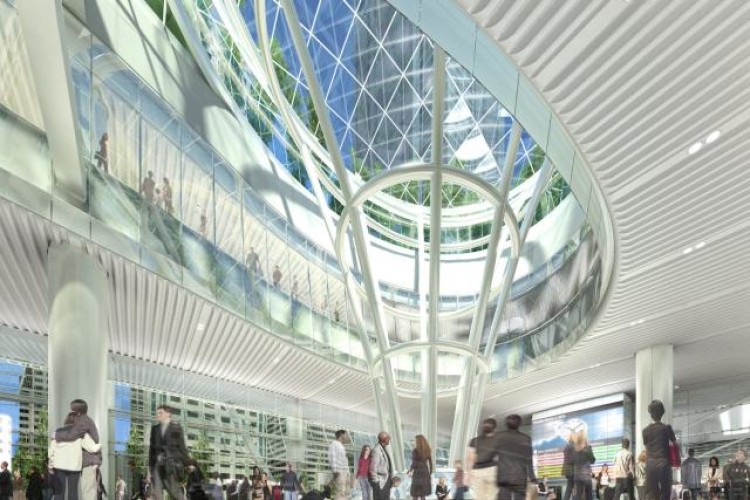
x,y
636,84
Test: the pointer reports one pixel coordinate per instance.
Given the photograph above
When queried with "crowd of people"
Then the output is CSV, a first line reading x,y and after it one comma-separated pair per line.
x,y
651,474
499,466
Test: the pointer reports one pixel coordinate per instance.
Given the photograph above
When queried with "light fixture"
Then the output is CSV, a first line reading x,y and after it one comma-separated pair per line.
x,y
687,250
695,148
200,327
700,245
713,136
640,321
332,381
676,387
276,359
633,323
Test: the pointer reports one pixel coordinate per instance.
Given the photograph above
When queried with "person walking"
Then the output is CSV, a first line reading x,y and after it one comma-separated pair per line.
x,y
737,477
459,481
217,492
381,469
640,476
691,474
120,487
167,455
657,438
602,482
290,484
6,482
19,492
713,478
481,460
624,470
194,485
34,485
363,471
583,457
339,464
514,461
567,468
421,469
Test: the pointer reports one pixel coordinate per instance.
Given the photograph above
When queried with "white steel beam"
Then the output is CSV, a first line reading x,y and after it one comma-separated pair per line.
x,y
429,405
466,402
42,22
359,229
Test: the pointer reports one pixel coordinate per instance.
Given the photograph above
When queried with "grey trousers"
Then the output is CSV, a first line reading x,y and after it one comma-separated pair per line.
x,y
169,483
88,483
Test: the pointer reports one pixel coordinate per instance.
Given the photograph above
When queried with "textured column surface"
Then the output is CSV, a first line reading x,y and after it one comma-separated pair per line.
x,y
78,337
654,379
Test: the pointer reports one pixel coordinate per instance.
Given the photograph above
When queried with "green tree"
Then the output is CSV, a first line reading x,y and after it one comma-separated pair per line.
x,y
136,449
202,452
31,450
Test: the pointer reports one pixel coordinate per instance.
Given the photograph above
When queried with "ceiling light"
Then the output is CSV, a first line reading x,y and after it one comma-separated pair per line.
x,y
633,323
713,136
332,381
276,359
687,250
695,148
676,387
700,245
640,321
201,326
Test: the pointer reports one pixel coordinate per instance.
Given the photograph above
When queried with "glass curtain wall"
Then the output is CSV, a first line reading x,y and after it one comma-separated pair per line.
x,y
223,437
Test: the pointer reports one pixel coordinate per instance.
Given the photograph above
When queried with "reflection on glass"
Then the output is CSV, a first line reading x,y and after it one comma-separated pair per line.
x,y
116,125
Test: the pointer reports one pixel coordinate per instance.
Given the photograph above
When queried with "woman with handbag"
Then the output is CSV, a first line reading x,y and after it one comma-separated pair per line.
x,y
662,454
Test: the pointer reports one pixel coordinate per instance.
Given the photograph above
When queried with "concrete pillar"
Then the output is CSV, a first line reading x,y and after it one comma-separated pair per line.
x,y
78,337
654,379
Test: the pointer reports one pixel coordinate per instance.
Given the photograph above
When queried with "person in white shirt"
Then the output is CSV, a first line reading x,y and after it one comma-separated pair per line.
x,y
120,487
624,470
66,459
339,465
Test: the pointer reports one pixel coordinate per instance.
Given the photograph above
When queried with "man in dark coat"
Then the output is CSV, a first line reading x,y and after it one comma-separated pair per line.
x,y
35,485
6,482
167,455
514,461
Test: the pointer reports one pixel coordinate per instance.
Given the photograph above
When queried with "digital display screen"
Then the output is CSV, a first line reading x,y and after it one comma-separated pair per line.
x,y
603,425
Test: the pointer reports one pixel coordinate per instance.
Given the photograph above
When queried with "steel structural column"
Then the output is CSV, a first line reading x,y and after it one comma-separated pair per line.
x,y
359,231
78,336
654,379
42,23
429,405
465,400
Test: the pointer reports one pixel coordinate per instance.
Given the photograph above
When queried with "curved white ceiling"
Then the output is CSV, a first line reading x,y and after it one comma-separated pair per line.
x,y
637,83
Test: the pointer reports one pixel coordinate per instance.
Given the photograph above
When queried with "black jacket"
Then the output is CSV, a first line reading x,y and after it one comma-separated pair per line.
x,y
514,463
35,486
170,446
6,484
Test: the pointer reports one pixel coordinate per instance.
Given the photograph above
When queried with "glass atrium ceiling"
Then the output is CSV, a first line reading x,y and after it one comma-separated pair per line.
x,y
376,71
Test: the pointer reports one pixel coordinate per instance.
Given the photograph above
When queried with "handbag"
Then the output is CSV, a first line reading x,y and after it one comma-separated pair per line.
x,y
674,454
